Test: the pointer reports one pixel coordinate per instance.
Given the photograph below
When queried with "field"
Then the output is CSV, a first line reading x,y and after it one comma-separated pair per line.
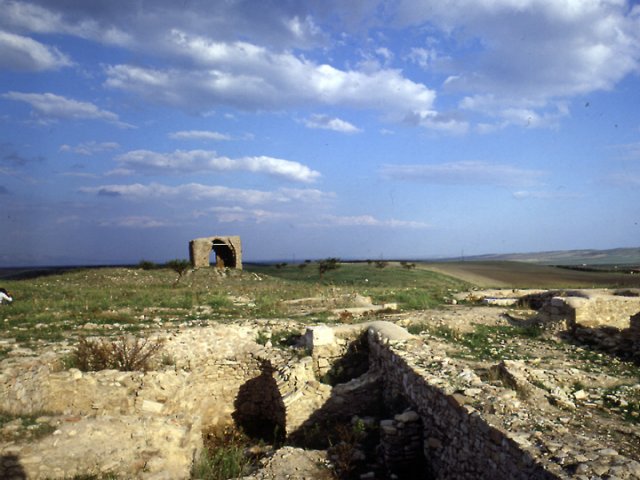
x,y
503,274
56,315
109,301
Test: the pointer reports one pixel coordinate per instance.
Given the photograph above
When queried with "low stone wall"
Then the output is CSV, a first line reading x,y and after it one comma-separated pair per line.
x,y
458,442
588,308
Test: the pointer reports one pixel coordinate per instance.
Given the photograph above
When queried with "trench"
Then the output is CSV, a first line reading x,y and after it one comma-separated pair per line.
x,y
340,408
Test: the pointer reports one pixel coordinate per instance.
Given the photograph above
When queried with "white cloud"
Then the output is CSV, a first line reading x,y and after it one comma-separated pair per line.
x,y
365,221
446,123
545,195
253,77
44,20
243,215
25,54
134,222
199,135
181,161
510,112
50,106
90,148
197,191
327,123
533,49
464,173
624,179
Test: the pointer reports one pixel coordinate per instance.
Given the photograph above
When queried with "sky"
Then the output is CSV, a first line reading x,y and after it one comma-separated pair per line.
x,y
367,129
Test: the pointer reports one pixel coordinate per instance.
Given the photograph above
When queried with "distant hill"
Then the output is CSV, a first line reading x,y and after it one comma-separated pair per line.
x,y
615,256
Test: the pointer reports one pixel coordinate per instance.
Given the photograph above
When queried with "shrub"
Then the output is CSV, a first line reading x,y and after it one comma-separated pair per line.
x,y
147,265
179,266
328,264
224,456
123,354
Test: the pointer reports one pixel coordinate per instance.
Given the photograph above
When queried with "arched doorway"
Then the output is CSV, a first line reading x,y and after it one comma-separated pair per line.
x,y
225,255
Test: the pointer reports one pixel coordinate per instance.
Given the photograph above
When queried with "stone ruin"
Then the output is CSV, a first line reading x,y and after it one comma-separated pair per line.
x,y
436,417
227,250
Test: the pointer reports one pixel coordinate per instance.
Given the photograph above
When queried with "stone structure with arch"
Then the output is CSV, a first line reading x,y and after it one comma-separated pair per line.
x,y
227,250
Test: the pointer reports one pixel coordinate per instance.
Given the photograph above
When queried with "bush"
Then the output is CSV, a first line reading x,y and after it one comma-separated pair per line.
x,y
328,264
123,354
179,266
223,457
147,265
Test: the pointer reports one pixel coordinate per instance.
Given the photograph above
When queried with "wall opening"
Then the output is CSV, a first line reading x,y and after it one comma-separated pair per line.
x,y
222,251
223,254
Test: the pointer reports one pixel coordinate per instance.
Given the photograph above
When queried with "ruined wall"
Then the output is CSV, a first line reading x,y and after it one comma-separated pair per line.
x,y
458,443
589,308
228,251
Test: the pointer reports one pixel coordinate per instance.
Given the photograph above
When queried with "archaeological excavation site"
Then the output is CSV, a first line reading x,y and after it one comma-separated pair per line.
x,y
337,381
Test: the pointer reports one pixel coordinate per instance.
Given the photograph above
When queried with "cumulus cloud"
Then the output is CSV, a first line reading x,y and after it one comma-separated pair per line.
x,y
464,173
534,50
327,123
197,191
78,20
251,77
90,148
199,135
51,106
22,53
181,161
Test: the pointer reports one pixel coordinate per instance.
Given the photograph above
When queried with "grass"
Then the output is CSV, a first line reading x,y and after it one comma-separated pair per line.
x,y
412,289
111,301
223,456
485,342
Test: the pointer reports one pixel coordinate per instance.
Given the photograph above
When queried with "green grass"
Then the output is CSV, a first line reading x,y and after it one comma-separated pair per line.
x,y
412,289
223,456
52,307
485,342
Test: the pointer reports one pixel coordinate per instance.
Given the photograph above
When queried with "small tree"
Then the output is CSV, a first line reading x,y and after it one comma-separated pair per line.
x,y
328,264
179,266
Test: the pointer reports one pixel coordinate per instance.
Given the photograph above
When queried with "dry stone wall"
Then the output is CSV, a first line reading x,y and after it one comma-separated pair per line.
x,y
588,308
459,426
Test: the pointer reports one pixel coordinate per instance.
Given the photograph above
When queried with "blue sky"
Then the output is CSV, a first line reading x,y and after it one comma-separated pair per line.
x,y
360,129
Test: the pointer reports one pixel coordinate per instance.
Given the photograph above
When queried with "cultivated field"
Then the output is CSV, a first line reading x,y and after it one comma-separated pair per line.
x,y
502,274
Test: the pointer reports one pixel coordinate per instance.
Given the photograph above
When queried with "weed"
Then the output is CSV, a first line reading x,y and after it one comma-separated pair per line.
x,y
223,457
123,354
343,453
262,338
285,338
219,301
268,306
